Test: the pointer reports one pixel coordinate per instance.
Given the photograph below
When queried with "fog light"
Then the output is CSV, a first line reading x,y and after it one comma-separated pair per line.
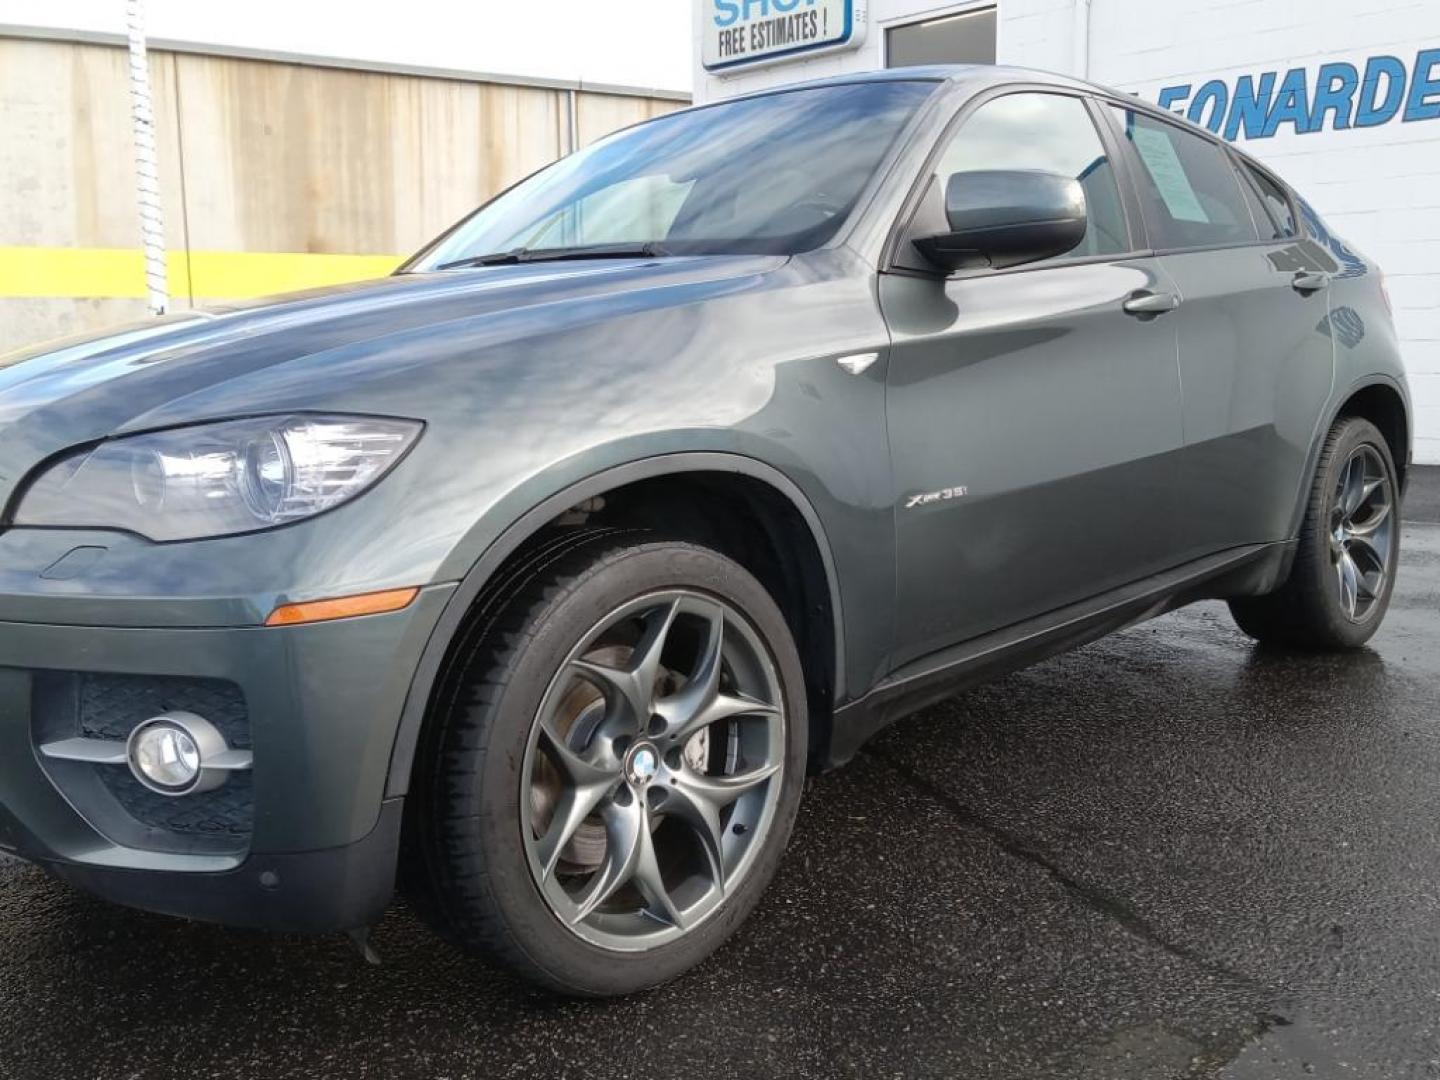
x,y
166,756
169,754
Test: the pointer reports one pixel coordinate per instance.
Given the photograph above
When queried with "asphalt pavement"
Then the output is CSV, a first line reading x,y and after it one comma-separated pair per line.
x,y
1170,854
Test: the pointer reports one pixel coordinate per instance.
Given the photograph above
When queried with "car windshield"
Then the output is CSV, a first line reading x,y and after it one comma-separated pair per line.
x,y
773,174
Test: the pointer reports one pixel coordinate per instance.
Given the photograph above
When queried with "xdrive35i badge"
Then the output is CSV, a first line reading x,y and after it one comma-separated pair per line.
x,y
925,498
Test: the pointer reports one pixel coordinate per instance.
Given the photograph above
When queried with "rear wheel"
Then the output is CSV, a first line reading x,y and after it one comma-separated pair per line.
x,y
616,776
1349,546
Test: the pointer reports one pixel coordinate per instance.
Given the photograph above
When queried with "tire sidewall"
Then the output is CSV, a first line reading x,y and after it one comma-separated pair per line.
x,y
1353,434
570,962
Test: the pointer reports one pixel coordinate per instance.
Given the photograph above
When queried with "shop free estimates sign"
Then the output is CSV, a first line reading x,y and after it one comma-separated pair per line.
x,y
743,32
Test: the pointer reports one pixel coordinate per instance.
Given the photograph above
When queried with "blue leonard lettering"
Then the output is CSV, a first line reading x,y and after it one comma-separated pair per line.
x,y
1371,110
1339,97
1251,106
1424,100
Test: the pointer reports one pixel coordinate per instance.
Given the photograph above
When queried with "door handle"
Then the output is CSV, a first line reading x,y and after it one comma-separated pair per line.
x,y
1149,304
1309,281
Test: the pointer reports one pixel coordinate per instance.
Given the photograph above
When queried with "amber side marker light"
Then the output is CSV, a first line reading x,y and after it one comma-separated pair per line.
x,y
343,607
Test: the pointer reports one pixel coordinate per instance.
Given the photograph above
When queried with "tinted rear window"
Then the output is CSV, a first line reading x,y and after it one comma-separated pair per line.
x,y
1279,216
1190,193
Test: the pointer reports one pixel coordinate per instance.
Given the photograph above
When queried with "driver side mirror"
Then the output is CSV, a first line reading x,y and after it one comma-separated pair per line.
x,y
1008,217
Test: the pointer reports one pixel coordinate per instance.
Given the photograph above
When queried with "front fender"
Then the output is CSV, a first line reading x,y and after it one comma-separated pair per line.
x,y
525,524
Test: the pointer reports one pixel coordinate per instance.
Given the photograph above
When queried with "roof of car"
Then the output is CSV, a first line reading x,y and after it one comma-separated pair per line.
x,y
954,73
981,75
993,75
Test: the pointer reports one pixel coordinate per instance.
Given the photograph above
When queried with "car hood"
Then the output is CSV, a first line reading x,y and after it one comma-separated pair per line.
x,y
178,369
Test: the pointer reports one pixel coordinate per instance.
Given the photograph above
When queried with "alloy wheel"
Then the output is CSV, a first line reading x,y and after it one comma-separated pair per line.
x,y
1361,524
653,770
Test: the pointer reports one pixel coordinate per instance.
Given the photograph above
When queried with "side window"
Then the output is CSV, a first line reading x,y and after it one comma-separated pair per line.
x,y
1190,194
1050,133
1276,202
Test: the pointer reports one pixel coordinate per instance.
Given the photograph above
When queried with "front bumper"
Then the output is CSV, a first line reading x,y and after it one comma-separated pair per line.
x,y
310,846
340,888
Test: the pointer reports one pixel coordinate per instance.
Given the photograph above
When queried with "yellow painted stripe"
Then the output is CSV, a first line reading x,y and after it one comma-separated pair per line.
x,y
99,272
103,273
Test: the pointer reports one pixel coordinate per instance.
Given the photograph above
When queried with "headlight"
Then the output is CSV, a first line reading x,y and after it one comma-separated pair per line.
x,y
217,479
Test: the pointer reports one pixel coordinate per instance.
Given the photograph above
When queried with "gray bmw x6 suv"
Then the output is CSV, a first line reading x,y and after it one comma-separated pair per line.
x,y
536,576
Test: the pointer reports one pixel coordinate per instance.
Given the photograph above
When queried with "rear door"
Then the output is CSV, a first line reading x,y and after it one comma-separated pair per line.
x,y
1256,357
1034,424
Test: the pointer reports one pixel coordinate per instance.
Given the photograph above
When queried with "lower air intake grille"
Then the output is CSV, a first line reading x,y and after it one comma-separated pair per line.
x,y
111,706
95,705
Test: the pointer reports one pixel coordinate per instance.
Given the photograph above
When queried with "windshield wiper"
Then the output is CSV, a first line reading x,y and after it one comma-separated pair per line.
x,y
648,250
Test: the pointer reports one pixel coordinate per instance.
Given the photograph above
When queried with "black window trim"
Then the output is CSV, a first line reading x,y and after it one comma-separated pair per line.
x,y
899,231
1125,164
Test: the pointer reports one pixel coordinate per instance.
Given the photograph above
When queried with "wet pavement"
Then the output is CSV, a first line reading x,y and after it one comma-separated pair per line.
x,y
1167,855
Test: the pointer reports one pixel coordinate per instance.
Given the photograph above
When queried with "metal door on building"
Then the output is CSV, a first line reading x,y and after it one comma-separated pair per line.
x,y
966,37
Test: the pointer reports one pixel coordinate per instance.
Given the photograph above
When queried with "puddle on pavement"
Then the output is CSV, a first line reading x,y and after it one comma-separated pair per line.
x,y
1275,1048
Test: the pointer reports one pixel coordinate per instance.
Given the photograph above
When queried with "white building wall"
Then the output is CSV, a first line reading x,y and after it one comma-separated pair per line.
x,y
1378,187
867,57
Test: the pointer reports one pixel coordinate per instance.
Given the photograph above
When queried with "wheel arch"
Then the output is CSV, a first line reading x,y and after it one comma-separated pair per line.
x,y
705,471
1378,398
1384,406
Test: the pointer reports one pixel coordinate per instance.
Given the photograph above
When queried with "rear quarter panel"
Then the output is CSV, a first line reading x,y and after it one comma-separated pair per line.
x,y
1367,348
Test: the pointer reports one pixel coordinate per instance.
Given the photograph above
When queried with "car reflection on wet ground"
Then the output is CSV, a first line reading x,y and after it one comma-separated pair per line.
x,y
1170,854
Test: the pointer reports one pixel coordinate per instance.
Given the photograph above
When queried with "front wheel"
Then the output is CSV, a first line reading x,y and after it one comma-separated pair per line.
x,y
1349,547
614,779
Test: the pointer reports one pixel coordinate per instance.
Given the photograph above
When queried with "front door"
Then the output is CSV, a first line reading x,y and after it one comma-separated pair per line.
x,y
1034,424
